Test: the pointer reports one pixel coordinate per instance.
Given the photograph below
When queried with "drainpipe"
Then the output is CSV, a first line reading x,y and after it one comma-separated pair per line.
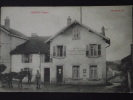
x,y
10,54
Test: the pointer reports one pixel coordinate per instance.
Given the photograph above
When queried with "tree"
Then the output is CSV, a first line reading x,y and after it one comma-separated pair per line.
x,y
2,68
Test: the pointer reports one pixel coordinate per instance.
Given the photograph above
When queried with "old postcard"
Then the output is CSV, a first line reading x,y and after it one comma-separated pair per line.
x,y
66,49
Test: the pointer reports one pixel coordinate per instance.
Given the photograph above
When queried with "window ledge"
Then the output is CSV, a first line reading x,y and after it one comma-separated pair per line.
x,y
93,56
75,38
46,62
26,62
59,57
76,78
93,79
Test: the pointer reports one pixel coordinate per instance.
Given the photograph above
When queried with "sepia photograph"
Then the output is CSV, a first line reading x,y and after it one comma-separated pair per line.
x,y
78,49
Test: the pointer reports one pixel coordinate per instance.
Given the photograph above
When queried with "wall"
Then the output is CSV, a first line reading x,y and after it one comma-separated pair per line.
x,y
8,43
86,37
17,65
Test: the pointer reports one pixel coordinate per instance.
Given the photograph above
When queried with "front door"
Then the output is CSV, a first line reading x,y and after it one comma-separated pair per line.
x,y
47,75
59,74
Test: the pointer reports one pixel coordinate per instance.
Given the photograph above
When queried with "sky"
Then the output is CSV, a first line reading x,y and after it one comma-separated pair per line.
x,y
47,21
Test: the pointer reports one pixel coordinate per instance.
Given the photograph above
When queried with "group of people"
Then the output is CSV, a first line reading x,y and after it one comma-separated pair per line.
x,y
21,75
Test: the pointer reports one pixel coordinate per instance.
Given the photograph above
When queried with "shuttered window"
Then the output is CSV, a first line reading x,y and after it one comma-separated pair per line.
x,y
59,51
76,33
93,50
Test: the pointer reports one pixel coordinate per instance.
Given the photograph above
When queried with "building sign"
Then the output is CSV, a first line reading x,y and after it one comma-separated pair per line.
x,y
76,51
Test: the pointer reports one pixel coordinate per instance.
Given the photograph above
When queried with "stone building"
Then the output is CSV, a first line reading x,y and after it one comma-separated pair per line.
x,y
9,40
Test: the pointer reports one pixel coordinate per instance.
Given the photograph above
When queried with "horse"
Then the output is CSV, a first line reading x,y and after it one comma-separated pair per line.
x,y
6,79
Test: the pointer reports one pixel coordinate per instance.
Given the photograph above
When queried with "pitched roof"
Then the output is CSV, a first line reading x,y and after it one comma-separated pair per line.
x,y
13,32
127,59
77,22
33,46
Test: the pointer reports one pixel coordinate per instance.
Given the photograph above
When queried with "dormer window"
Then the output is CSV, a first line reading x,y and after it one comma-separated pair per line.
x,y
76,34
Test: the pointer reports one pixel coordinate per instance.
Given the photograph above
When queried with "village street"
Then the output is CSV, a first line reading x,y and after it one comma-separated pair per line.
x,y
63,88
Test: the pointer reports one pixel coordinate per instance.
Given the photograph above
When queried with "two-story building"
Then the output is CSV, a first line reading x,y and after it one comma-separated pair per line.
x,y
77,55
9,40
31,56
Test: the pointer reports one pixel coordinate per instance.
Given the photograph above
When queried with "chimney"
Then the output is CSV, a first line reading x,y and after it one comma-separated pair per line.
x,y
103,31
69,20
7,23
33,35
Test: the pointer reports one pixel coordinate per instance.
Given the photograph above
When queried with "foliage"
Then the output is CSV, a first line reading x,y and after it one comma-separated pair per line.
x,y
2,68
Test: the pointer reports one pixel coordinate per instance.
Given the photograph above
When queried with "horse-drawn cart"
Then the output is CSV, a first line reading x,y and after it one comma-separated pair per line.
x,y
7,78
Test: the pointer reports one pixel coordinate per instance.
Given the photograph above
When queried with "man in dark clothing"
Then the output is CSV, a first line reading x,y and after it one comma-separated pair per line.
x,y
29,77
21,76
9,80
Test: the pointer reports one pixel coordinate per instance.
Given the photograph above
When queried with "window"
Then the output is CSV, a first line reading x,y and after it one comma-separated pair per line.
x,y
59,51
26,58
45,58
75,72
27,71
76,33
93,50
93,72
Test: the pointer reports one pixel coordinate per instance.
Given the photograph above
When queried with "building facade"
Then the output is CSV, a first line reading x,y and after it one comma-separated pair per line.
x,y
77,55
9,40
31,56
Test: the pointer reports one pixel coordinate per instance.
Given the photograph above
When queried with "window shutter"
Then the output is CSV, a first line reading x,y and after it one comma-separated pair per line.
x,y
30,58
53,51
42,58
87,50
99,49
78,33
22,58
64,51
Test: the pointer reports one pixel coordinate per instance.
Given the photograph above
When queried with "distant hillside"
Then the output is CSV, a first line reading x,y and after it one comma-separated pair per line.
x,y
117,61
113,65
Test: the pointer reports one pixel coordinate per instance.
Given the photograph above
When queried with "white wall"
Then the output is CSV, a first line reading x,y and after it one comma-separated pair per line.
x,y
17,65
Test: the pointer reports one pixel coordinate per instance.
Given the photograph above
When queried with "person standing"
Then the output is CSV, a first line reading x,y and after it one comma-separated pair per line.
x,y
10,78
38,79
29,77
20,76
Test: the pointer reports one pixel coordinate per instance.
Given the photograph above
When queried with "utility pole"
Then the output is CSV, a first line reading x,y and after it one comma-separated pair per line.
x,y
40,61
80,14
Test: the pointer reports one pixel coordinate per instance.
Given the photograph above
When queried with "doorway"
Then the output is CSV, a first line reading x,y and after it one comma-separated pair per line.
x,y
46,75
59,74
